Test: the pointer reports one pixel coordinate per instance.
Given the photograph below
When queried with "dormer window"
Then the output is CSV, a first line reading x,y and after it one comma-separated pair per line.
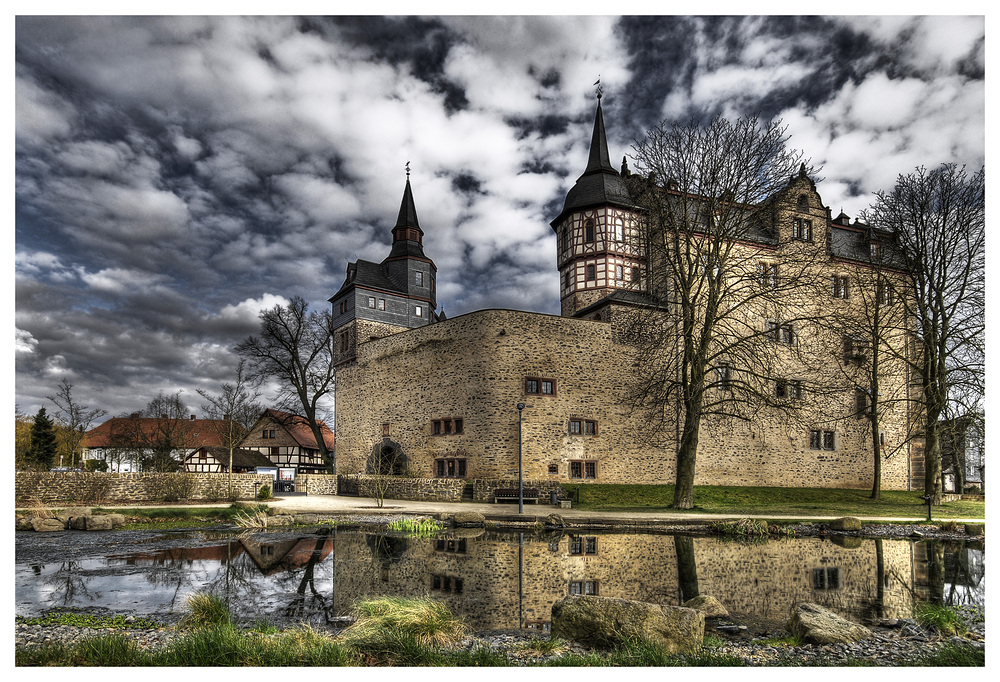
x,y
875,250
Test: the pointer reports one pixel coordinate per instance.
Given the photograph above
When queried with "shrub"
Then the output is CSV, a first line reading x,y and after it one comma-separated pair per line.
x,y
172,487
264,493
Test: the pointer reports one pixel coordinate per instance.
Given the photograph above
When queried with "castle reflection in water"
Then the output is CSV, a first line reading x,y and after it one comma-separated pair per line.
x,y
507,580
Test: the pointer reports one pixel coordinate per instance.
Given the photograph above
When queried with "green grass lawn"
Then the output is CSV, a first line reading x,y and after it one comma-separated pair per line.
x,y
770,501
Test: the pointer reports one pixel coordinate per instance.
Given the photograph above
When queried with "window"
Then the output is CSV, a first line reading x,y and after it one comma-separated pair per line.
x,y
860,402
385,428
875,250
343,306
446,427
451,546
450,467
724,377
780,332
785,389
635,274
855,350
536,386
446,583
553,468
822,440
371,301
826,578
619,273
884,293
381,304
588,587
802,230
345,341
419,311
591,273
838,286
585,427
582,545
619,230
418,278
268,433
569,279
768,274
565,239
588,231
583,469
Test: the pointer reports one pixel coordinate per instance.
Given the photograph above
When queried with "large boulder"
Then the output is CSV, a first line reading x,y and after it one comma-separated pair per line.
x,y
468,519
846,523
65,515
708,605
607,622
817,625
43,525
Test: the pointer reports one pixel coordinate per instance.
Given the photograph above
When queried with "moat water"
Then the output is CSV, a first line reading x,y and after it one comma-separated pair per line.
x,y
494,580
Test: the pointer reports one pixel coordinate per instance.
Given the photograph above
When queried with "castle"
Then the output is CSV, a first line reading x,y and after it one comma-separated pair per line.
x,y
470,397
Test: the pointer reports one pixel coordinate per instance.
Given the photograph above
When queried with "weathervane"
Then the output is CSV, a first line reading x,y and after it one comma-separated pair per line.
x,y
600,91
407,170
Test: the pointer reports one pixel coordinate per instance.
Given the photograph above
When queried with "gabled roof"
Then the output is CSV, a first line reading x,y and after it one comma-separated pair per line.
x,y
191,433
298,428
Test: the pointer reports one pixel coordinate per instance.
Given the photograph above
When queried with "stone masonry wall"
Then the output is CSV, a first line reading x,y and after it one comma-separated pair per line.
x,y
473,367
55,488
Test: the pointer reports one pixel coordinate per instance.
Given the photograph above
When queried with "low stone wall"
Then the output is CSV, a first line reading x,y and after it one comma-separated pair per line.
x,y
316,484
484,488
97,487
403,487
436,489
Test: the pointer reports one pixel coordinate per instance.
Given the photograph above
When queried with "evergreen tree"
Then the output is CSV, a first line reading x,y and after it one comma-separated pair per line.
x,y
42,450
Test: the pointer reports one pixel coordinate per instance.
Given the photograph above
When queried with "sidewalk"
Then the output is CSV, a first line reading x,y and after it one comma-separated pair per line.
x,y
335,504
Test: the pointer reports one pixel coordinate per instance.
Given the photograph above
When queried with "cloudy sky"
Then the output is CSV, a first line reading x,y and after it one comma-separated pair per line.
x,y
176,175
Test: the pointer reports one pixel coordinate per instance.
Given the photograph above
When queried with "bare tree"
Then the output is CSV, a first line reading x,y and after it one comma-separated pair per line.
x,y
75,417
939,220
234,410
152,436
295,347
866,347
712,194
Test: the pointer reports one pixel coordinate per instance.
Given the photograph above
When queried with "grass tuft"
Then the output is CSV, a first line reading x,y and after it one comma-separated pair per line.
x,y
206,610
401,630
421,527
940,618
741,528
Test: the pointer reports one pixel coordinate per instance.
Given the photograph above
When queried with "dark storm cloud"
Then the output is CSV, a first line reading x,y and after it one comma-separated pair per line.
x,y
177,175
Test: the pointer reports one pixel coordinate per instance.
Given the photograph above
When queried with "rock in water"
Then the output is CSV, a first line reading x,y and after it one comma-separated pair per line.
x,y
817,625
606,622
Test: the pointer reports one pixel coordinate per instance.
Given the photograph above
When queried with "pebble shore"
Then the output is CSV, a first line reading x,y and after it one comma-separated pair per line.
x,y
893,643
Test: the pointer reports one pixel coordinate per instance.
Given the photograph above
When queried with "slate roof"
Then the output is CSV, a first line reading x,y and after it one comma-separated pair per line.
x,y
600,184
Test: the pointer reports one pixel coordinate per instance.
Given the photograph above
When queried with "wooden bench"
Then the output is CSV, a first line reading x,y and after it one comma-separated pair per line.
x,y
530,495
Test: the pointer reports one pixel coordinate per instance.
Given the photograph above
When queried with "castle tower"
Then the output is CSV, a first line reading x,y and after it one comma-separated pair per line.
x,y
599,250
378,299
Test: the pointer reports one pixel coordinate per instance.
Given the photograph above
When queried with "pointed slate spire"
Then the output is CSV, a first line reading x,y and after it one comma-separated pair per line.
x,y
407,237
407,209
600,182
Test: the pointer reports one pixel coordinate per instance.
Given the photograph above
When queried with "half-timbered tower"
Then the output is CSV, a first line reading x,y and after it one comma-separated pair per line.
x,y
599,251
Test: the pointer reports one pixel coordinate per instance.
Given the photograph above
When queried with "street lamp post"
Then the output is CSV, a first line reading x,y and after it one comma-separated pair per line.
x,y
520,469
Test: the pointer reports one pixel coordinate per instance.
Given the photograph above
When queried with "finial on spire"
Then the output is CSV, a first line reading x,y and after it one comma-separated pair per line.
x,y
600,90
407,171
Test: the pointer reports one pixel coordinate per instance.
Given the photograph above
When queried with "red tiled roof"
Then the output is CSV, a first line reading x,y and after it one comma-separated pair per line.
x,y
298,428
194,433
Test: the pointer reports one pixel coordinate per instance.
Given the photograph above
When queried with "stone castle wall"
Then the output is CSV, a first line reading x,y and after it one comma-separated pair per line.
x,y
473,368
